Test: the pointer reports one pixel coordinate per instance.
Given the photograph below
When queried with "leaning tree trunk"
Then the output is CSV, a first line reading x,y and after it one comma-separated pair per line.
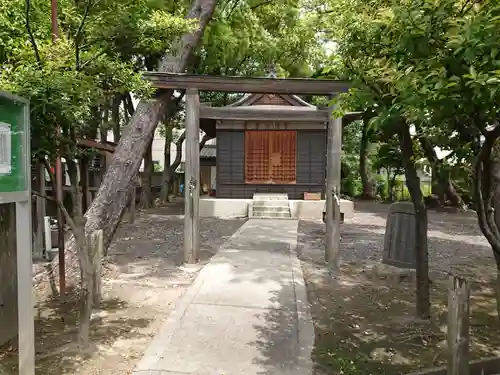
x,y
147,177
421,222
113,195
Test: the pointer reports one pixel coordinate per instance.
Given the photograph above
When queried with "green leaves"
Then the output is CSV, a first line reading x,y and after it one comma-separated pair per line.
x,y
103,47
251,37
427,61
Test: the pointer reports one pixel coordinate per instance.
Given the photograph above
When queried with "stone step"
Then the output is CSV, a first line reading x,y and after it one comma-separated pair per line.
x,y
267,208
269,196
271,214
269,203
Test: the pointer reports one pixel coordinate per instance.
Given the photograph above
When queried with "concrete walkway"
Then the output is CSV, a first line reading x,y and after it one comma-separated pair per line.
x,y
245,314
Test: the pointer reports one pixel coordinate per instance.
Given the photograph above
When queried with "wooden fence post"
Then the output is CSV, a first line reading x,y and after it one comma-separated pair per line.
x,y
458,327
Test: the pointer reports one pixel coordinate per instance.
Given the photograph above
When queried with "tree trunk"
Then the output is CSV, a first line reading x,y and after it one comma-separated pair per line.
x,y
486,186
391,181
203,141
486,194
495,177
166,174
364,172
147,176
178,158
87,271
115,117
128,105
103,128
84,182
112,198
421,222
179,144
446,188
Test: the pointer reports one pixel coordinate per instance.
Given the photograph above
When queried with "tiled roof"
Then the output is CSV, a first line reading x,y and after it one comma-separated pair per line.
x,y
208,152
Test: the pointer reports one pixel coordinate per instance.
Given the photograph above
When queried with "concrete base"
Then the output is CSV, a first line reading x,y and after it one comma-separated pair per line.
x,y
224,208
300,209
313,210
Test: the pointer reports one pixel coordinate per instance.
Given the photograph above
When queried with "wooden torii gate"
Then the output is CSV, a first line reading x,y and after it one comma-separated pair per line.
x,y
292,86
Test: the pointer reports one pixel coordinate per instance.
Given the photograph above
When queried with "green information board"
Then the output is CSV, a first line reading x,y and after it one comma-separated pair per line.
x,y
14,144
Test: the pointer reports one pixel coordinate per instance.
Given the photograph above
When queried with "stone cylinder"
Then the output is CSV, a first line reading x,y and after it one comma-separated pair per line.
x,y
399,241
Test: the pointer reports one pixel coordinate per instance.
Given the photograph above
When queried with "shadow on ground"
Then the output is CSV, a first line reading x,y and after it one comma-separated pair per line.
x,y
277,339
367,326
364,325
141,282
56,333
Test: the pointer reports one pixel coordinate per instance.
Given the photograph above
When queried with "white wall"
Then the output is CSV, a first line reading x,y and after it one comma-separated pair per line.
x,y
173,147
159,144
158,147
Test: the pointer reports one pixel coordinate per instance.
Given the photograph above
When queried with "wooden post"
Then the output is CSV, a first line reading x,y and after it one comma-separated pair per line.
x,y
458,327
192,174
333,177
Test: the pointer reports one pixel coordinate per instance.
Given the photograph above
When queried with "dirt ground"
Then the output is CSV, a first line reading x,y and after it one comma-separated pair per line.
x,y
142,280
365,325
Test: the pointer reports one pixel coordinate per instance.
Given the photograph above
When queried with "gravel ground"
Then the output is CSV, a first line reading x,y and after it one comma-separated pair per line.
x,y
454,240
366,325
142,279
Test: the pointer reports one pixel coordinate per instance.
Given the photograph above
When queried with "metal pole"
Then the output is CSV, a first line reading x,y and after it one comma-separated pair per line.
x,y
59,177
26,326
24,231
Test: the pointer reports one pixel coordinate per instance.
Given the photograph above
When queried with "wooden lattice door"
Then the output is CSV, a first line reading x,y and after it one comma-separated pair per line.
x,y
270,157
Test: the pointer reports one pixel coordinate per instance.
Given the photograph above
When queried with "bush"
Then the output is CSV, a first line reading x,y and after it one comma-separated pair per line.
x,y
401,192
351,187
381,188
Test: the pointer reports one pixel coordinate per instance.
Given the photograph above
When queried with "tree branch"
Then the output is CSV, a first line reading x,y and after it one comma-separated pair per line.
x,y
30,33
129,106
235,5
79,32
91,60
65,212
52,178
261,4
204,141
